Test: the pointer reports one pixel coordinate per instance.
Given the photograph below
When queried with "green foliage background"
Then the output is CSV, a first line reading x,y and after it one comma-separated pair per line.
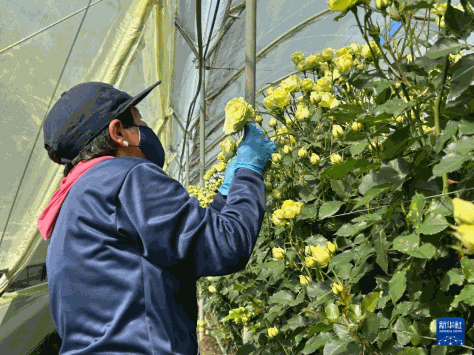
x,y
387,209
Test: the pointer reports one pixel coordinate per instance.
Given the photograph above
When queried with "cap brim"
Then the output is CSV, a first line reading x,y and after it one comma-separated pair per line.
x,y
136,100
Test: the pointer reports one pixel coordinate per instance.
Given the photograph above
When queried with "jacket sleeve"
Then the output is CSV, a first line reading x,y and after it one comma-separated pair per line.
x,y
174,231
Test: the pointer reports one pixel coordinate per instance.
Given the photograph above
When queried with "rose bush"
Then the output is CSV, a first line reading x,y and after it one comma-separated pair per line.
x,y
369,229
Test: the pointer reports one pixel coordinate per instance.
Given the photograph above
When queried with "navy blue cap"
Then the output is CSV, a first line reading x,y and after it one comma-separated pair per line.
x,y
80,115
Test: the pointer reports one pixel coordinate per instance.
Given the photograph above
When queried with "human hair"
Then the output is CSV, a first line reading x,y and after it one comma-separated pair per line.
x,y
100,146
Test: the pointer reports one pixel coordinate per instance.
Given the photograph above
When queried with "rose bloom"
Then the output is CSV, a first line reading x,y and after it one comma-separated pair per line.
x,y
304,280
288,120
323,85
221,156
278,218
335,159
337,131
287,149
301,66
272,332
273,122
328,100
270,90
344,63
228,147
312,61
463,211
237,112
341,5
315,159
302,112
297,57
307,84
291,209
212,289
291,83
344,50
315,97
258,119
322,255
357,126
268,102
465,233
337,288
292,139
327,54
278,253
356,47
220,166
367,54
282,130
310,261
281,98
331,247
302,153
276,158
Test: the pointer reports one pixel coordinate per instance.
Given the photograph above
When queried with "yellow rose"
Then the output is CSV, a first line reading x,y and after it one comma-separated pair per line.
x,y
439,9
335,159
237,112
258,119
292,140
229,148
212,289
302,153
278,218
315,97
287,149
324,67
337,288
220,166
312,61
272,332
221,156
328,100
291,209
400,119
463,211
276,194
357,126
327,54
331,247
269,103
282,130
288,120
310,261
273,122
344,63
278,253
307,84
291,83
323,85
276,158
342,51
355,47
322,255
304,280
465,233
367,54
297,57
409,58
315,159
337,131
302,112
301,66
281,98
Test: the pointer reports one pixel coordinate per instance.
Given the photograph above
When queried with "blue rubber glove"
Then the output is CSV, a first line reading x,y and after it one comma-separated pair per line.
x,y
253,153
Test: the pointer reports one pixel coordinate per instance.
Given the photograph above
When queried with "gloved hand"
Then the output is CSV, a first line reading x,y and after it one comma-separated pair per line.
x,y
253,153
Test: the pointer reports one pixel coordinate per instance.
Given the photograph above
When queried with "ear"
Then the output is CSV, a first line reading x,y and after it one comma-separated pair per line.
x,y
116,131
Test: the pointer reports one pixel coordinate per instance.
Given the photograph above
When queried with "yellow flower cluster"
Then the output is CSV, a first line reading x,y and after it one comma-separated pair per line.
x,y
319,254
288,210
464,217
272,332
237,113
229,149
205,195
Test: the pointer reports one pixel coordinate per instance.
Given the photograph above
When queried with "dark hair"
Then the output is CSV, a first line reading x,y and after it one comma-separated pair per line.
x,y
100,146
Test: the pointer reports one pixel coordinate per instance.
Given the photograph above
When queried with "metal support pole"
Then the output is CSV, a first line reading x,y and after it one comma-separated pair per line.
x,y
250,50
250,65
202,123
187,162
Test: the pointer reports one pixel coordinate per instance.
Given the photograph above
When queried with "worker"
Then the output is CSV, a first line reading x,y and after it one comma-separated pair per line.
x,y
126,241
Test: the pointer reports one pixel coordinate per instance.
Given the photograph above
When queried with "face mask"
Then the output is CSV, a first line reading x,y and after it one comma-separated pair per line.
x,y
150,146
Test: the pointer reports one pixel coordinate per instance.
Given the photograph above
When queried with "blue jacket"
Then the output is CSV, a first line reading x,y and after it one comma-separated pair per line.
x,y
126,251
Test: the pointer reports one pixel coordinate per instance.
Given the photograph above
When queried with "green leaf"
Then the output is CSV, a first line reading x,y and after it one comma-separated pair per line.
x,y
299,299
417,4
456,154
319,327
445,135
457,21
415,214
329,208
332,312
397,286
349,230
412,351
466,296
465,127
337,172
439,350
452,277
400,328
316,342
371,327
426,251
463,75
406,243
367,80
316,289
380,117
344,347
297,322
444,46
343,258
433,224
383,96
283,297
341,188
358,148
371,194
369,302
381,251
273,268
467,266
354,136
442,205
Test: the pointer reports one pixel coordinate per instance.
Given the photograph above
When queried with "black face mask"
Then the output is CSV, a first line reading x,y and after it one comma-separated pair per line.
x,y
150,146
